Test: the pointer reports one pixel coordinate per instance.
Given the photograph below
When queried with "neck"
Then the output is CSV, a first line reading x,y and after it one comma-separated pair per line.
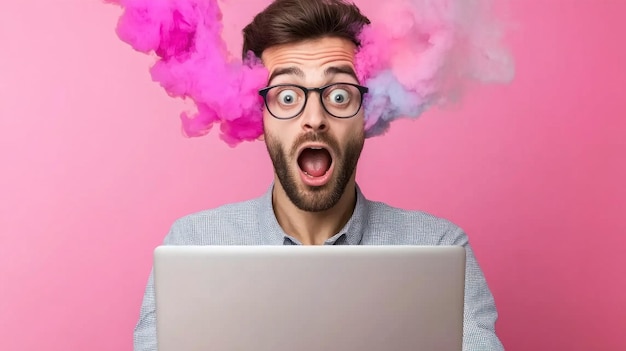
x,y
313,228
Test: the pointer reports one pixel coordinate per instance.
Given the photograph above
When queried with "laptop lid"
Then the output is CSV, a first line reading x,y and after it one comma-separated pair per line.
x,y
309,298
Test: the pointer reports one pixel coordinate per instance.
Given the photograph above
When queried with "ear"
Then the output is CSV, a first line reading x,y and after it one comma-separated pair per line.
x,y
261,136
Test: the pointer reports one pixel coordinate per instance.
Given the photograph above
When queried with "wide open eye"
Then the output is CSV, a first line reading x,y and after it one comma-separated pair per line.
x,y
287,97
339,96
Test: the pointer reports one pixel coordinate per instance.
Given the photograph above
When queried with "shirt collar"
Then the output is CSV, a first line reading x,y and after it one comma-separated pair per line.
x,y
352,232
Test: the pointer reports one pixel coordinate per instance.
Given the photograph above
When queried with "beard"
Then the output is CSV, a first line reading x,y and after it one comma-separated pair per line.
x,y
321,198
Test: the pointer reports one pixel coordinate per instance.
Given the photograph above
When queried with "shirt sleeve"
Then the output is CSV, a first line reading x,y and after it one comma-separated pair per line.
x,y
480,314
145,334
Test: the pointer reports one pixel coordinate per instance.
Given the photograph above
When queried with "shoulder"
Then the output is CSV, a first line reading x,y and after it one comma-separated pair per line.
x,y
221,225
404,226
232,213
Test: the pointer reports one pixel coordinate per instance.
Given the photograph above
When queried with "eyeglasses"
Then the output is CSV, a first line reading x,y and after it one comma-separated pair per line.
x,y
340,100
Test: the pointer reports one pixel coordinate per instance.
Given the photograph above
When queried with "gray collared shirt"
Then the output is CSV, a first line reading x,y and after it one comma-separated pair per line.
x,y
373,223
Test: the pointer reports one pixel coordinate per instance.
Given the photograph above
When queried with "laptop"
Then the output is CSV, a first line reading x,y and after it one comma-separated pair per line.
x,y
309,298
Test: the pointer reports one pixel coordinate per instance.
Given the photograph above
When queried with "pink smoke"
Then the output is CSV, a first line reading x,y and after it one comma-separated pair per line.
x,y
194,64
415,54
421,53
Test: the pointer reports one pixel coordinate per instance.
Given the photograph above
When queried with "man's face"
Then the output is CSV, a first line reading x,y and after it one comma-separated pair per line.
x,y
314,154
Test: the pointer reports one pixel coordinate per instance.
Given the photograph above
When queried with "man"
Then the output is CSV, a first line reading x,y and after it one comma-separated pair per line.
x,y
314,132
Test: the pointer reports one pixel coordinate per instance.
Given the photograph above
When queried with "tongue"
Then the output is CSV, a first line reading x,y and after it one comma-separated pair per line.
x,y
315,162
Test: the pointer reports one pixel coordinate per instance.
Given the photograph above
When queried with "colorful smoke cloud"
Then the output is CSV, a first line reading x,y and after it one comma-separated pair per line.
x,y
194,63
415,54
421,53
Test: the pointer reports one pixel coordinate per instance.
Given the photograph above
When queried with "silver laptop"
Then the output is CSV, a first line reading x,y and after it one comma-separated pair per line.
x,y
309,298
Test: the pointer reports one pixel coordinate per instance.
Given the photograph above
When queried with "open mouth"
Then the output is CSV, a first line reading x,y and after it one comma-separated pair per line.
x,y
315,162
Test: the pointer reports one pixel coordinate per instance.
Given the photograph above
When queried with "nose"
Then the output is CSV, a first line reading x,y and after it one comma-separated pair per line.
x,y
314,117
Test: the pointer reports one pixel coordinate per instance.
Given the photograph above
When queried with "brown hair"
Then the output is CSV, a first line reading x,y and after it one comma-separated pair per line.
x,y
289,21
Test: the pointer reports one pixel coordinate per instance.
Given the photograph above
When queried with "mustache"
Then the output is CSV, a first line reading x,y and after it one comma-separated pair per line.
x,y
315,137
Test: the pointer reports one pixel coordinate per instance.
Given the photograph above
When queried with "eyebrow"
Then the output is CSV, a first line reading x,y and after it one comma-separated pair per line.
x,y
344,69
294,71
333,70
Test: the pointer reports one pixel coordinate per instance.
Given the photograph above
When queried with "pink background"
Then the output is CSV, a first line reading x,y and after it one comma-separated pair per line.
x,y
94,171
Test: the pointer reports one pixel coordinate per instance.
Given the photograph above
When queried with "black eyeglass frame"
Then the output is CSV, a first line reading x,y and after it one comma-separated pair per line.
x,y
263,92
